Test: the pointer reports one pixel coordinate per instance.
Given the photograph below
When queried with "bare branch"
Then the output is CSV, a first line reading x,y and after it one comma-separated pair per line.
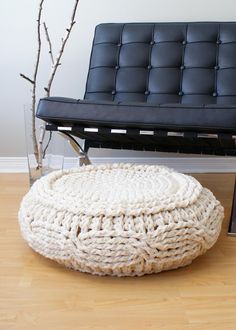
x,y
58,58
34,83
38,142
39,40
49,42
33,106
26,78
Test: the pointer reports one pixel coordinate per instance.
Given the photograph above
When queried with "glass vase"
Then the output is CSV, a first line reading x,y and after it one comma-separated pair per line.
x,y
51,148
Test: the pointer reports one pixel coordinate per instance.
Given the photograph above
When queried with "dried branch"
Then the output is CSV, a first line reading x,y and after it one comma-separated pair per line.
x,y
33,81
49,42
26,78
38,142
36,151
58,58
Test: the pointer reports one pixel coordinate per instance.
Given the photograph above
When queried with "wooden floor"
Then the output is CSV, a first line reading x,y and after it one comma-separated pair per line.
x,y
36,293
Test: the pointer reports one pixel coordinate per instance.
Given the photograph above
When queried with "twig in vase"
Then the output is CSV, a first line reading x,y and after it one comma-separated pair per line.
x,y
38,142
26,78
34,83
58,58
49,42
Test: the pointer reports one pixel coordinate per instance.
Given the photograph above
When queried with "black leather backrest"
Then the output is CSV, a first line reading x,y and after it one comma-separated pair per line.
x,y
164,63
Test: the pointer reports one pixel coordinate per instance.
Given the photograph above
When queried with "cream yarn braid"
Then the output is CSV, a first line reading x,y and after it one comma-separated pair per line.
x,y
120,219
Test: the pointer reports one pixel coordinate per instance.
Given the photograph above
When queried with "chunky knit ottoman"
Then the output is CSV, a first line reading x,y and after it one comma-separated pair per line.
x,y
121,219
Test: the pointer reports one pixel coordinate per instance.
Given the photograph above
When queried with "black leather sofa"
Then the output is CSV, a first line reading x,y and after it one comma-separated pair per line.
x,y
156,86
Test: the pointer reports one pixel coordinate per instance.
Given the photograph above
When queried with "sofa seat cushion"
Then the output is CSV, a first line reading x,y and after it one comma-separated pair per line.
x,y
201,118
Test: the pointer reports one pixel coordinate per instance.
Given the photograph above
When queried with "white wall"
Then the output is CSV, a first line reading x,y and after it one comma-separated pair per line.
x,y
18,42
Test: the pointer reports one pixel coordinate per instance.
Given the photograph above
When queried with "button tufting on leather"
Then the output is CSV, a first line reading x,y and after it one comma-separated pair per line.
x,y
113,92
167,68
147,93
214,94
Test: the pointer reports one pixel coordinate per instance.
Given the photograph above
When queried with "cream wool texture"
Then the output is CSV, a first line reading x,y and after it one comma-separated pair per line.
x,y
120,219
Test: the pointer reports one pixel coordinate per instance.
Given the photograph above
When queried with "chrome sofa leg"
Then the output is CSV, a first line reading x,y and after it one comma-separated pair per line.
x,y
82,155
232,224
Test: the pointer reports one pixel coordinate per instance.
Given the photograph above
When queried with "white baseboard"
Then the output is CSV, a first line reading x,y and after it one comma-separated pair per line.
x,y
13,164
181,164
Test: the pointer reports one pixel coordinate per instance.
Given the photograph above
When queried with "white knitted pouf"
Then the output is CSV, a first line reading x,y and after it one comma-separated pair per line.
x,y
120,219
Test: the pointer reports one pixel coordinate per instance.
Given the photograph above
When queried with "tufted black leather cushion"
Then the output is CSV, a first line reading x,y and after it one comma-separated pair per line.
x,y
193,63
112,114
